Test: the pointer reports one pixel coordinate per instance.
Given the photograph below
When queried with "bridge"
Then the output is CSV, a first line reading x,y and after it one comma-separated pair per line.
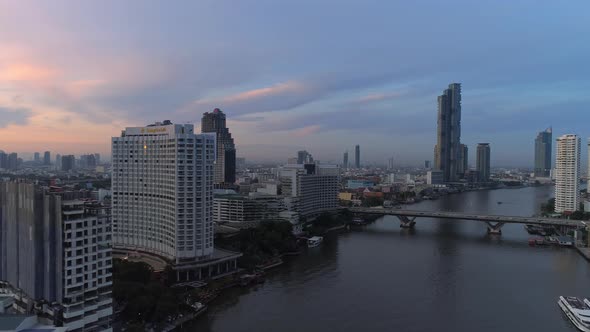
x,y
407,218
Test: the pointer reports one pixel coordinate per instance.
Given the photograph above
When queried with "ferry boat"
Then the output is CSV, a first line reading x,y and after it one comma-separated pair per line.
x,y
577,311
314,241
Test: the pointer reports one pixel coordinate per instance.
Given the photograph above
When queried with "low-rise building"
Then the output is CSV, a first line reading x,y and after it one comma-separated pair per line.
x,y
241,208
434,177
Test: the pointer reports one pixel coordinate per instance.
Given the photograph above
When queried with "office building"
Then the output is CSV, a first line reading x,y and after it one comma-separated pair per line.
x,y
357,156
88,161
567,177
253,208
3,160
447,151
12,161
543,150
434,177
97,158
162,194
313,188
345,160
483,162
55,253
464,164
225,152
37,158
390,163
304,157
58,162
47,158
427,164
68,163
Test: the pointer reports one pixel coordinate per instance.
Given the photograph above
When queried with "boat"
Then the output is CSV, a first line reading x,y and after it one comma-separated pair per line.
x,y
358,221
499,202
314,241
537,241
577,311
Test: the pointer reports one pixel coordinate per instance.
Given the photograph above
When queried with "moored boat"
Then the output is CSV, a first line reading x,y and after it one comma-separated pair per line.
x,y
577,311
314,241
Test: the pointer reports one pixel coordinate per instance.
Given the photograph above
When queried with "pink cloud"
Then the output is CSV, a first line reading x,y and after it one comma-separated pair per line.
x,y
377,97
307,131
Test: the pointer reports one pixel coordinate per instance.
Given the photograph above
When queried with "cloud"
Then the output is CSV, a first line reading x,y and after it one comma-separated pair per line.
x,y
14,116
26,72
307,131
291,94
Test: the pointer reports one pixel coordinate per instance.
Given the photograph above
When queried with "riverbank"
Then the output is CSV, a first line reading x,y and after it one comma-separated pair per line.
x,y
585,252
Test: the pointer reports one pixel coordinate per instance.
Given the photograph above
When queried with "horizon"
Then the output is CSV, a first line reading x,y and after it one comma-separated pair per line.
x,y
292,82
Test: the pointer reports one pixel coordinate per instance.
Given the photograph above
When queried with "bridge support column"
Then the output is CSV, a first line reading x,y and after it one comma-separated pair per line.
x,y
406,222
494,228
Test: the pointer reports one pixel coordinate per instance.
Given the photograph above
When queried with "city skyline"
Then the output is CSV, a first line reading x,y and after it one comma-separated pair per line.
x,y
282,87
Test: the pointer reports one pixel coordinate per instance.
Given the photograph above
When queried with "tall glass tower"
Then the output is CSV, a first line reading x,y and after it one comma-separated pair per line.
x,y
448,151
543,151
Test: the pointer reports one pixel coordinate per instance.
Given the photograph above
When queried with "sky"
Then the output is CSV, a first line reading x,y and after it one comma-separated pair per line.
x,y
320,75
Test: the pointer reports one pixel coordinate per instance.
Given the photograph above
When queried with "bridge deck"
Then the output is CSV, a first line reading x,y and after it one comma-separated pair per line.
x,y
470,216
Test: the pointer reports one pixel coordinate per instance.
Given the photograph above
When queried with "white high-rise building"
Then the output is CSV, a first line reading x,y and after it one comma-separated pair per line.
x,y
312,189
162,189
567,177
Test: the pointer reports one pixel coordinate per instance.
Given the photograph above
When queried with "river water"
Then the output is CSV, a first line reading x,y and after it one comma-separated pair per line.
x,y
442,276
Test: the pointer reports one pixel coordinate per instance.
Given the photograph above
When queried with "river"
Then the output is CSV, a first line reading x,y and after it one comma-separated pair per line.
x,y
442,276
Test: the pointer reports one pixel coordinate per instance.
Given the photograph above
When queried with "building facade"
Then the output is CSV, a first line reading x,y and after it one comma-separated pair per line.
x,y
447,151
162,191
543,150
312,189
225,151
345,160
68,163
464,165
567,177
483,162
12,161
55,252
253,208
47,158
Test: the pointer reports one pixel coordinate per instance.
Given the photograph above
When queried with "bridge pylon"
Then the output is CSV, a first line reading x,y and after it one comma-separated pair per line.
x,y
406,222
494,228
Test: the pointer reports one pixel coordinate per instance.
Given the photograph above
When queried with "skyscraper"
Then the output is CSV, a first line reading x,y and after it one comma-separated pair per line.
x,y
37,158
225,164
58,162
47,158
567,177
55,251
464,165
483,161
3,160
447,151
427,164
68,163
543,153
345,161
12,161
304,157
162,187
357,156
